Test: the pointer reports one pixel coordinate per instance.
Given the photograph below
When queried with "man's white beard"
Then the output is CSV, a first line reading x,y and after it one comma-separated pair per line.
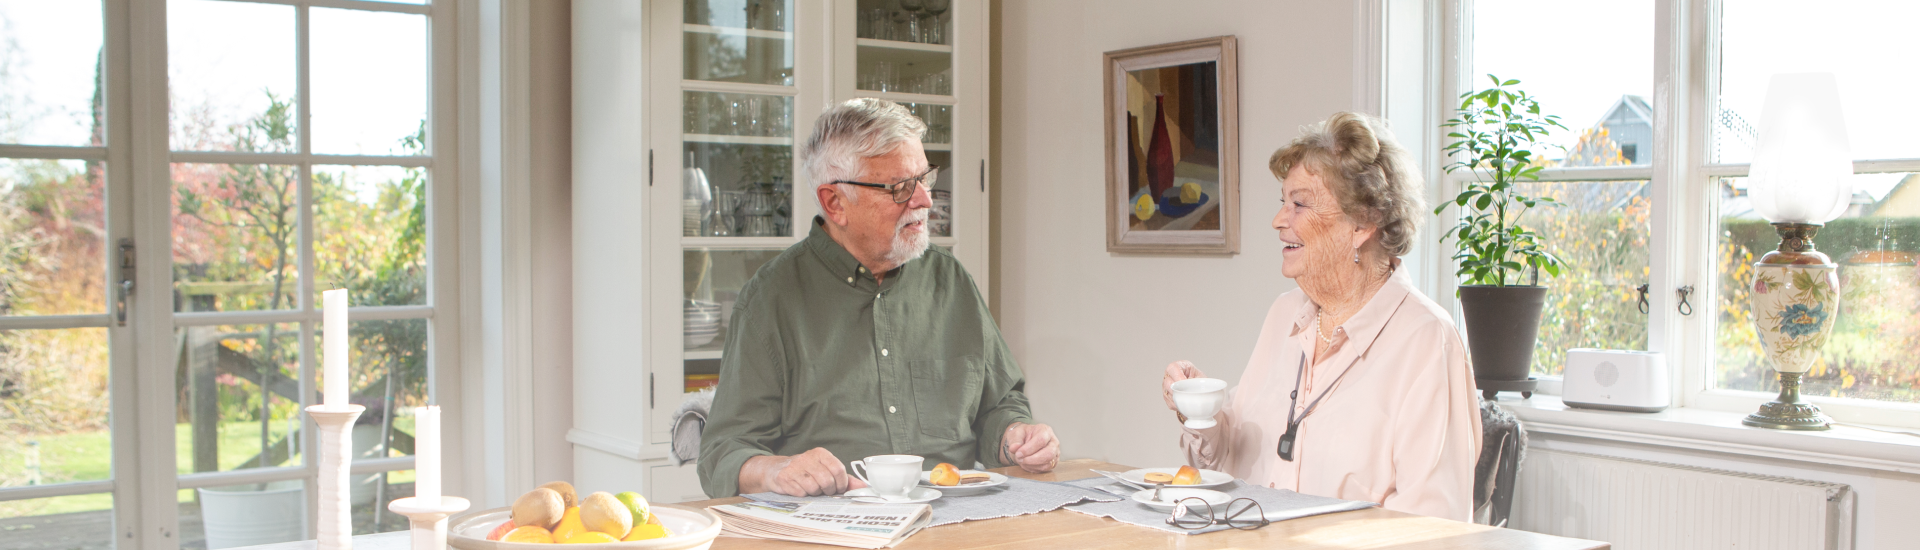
x,y
909,247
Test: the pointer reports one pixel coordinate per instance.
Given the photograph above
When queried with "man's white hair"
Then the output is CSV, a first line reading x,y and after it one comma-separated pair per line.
x,y
850,132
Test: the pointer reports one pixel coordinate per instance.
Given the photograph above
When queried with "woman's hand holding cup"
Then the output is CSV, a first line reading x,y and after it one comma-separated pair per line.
x,y
1177,371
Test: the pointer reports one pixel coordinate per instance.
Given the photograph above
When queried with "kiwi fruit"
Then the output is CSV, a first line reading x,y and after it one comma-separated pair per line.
x,y
565,489
540,507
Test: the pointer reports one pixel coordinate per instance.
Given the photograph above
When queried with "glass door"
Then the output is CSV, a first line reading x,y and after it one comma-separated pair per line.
x,y
904,53
61,373
738,206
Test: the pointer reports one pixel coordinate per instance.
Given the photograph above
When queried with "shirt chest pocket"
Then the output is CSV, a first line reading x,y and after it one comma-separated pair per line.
x,y
946,394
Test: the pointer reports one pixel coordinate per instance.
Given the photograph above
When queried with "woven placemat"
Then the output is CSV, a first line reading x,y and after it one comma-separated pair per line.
x,y
1279,505
1018,497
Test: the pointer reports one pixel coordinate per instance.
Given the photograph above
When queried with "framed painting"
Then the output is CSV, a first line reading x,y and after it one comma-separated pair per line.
x,y
1173,148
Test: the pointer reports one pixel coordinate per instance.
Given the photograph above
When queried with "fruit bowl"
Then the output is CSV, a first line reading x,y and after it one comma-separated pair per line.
x,y
694,529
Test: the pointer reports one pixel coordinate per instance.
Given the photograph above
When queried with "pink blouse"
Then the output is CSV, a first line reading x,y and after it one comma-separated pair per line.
x,y
1401,429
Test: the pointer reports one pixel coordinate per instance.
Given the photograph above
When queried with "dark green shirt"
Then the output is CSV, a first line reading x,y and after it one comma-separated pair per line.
x,y
820,355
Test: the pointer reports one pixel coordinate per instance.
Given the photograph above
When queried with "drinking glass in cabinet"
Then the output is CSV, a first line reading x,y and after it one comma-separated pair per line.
x,y
739,41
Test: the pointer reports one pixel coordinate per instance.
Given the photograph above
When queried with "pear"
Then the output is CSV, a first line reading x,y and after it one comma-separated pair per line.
x,y
604,513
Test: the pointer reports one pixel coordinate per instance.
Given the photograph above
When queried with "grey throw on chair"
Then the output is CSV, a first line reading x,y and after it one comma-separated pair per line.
x,y
688,423
1503,445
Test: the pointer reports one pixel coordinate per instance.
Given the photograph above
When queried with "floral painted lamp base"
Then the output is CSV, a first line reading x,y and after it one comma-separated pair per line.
x,y
1795,301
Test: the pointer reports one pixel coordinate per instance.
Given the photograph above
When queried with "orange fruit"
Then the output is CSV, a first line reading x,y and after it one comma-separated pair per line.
x,y
647,531
590,537
528,533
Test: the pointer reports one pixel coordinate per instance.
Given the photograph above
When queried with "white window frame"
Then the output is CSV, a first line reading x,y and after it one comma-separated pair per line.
x,y
138,154
1684,217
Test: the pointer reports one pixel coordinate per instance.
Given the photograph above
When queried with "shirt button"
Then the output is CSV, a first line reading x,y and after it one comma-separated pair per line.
x,y
876,296
849,280
883,352
891,410
862,269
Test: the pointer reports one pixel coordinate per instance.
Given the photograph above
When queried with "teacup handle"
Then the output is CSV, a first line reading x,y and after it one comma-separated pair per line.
x,y
859,470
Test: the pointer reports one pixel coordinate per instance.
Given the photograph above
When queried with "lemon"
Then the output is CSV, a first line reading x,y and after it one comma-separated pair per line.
x,y
644,532
1189,193
1144,207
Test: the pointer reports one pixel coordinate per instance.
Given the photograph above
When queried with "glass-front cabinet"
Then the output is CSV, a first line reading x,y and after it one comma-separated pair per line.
x,y
731,90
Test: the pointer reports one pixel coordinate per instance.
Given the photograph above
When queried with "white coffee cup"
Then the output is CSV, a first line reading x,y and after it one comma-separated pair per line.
x,y
890,476
1199,399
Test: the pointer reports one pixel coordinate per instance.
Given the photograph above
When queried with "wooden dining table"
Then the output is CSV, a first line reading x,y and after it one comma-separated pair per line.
x,y
1066,529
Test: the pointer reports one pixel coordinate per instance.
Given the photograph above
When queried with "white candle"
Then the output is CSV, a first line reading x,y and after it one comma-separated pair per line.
x,y
334,330
426,453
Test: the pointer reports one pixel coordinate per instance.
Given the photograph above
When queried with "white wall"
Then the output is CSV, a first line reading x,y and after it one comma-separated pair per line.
x,y
1094,330
550,92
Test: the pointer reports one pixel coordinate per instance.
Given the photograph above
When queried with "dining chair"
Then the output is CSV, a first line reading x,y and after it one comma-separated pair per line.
x,y
1503,445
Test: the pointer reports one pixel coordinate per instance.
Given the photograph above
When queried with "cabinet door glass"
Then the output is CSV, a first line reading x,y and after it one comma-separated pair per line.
x,y
747,41
939,145
905,46
713,282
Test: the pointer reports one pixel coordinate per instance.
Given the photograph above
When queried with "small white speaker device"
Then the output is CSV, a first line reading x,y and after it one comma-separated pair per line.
x,y
1616,380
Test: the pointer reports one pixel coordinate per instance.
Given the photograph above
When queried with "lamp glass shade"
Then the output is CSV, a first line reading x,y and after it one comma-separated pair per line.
x,y
1802,163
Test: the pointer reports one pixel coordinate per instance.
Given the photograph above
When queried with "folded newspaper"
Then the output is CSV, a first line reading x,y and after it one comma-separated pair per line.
x,y
849,524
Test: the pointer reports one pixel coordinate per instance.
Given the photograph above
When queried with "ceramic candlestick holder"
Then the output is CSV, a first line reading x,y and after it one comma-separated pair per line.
x,y
335,522
427,519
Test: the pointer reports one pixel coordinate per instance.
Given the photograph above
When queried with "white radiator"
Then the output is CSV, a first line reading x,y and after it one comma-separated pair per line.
x,y
1643,505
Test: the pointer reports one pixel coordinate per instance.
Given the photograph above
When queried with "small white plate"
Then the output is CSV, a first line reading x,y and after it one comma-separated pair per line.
x,y
1208,478
993,480
1170,496
918,494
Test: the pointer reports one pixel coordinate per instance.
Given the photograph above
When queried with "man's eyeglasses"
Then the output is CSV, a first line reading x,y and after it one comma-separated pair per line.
x,y
902,190
1196,513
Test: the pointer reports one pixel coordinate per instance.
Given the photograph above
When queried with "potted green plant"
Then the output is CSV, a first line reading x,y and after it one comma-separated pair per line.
x,y
1495,133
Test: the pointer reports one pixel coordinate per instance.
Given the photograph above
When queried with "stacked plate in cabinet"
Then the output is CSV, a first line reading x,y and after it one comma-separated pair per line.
x,y
703,322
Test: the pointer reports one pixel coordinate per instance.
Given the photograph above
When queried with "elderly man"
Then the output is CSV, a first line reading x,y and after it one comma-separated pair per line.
x,y
860,341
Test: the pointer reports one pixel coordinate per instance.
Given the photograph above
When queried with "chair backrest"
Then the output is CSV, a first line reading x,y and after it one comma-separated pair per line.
x,y
1503,445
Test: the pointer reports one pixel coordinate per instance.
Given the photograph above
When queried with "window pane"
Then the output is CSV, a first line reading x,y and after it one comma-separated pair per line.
x,y
369,82
243,515
1864,43
58,523
1600,230
1870,352
53,407
371,515
52,224
225,419
230,76
387,372
1593,68
235,237
50,72
370,226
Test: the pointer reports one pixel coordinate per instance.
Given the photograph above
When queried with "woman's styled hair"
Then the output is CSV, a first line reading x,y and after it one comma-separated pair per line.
x,y
860,128
1373,177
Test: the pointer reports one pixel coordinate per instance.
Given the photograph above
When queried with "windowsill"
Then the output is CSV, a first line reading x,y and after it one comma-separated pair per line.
x,y
1720,431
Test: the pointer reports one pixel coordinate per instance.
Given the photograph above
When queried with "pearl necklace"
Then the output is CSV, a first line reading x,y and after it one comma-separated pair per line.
x,y
1320,331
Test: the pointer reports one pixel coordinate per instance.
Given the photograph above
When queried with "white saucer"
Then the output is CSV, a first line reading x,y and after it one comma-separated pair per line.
x,y
1170,496
993,480
918,494
1208,478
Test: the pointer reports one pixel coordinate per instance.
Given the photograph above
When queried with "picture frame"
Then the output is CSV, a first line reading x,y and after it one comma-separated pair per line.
x,y
1173,147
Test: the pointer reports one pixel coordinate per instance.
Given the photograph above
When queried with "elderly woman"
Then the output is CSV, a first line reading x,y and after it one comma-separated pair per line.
x,y
1359,386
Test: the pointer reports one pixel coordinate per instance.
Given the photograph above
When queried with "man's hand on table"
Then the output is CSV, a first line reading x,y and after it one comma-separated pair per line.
x,y
1032,446
812,473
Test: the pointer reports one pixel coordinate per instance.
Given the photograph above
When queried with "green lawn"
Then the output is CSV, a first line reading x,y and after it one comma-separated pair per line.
x,y
87,456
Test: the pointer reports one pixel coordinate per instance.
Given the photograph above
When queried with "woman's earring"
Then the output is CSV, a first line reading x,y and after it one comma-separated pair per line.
x,y
1356,254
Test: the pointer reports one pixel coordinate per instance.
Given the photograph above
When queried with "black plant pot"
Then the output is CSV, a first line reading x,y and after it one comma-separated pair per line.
x,y
1503,323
